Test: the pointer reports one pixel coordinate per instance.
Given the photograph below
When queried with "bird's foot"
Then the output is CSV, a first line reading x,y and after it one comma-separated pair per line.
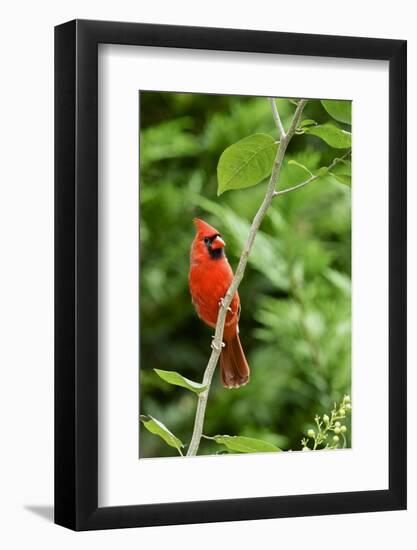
x,y
215,346
221,304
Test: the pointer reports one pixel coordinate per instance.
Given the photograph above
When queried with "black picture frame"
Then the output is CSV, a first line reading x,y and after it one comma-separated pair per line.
x,y
76,272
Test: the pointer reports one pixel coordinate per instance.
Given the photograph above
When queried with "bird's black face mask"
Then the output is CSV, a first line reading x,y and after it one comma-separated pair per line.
x,y
216,252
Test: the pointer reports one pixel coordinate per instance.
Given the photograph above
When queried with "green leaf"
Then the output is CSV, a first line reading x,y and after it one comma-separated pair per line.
x,y
176,379
156,427
246,163
339,110
295,163
332,135
307,122
343,167
342,178
241,444
342,172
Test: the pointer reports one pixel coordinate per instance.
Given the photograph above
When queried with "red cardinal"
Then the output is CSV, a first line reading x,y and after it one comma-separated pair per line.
x,y
210,277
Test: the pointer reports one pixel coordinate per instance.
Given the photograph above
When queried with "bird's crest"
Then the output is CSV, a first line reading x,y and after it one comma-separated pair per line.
x,y
204,228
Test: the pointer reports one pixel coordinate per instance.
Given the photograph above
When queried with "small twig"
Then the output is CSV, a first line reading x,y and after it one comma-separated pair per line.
x,y
221,317
277,117
313,178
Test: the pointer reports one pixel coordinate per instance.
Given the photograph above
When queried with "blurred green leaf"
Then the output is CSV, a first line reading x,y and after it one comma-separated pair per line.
x,y
176,379
246,163
340,281
169,139
156,427
224,127
240,444
339,110
332,135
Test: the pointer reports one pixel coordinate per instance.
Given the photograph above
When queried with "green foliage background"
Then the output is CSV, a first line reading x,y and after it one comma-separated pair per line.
x,y
296,319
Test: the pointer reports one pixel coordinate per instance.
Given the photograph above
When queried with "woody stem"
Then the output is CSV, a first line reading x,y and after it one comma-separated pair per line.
x,y
221,317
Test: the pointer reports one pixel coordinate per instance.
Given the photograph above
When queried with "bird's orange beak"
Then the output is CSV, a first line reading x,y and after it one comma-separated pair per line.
x,y
217,242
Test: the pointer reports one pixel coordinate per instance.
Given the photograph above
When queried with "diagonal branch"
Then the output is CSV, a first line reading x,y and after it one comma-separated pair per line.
x,y
221,317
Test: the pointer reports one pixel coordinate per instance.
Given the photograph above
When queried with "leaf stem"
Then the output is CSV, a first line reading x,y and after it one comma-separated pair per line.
x,y
313,178
221,317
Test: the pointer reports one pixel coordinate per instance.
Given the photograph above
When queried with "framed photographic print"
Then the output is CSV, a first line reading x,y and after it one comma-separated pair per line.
x,y
230,275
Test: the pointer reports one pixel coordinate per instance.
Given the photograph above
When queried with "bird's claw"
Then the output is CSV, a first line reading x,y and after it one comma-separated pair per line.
x,y
221,303
215,346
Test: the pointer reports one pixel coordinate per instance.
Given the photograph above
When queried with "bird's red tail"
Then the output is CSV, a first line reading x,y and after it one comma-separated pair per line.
x,y
234,369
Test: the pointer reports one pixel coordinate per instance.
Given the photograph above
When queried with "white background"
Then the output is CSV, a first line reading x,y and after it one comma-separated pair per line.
x,y
123,479
26,285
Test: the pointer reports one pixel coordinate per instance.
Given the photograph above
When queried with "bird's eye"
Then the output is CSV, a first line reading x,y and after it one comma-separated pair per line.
x,y
206,240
